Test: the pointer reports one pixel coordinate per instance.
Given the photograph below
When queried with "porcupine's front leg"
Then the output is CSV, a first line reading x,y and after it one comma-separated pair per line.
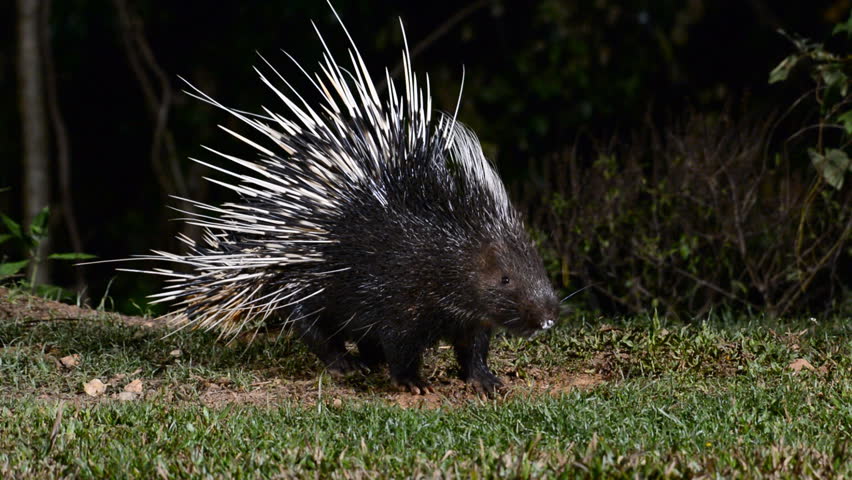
x,y
472,354
403,354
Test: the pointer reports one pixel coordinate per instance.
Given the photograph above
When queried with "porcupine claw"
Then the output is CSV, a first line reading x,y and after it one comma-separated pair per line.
x,y
415,386
485,384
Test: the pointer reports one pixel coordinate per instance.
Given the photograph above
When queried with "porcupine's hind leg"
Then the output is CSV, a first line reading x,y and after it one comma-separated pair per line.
x,y
472,354
370,351
328,347
403,350
404,365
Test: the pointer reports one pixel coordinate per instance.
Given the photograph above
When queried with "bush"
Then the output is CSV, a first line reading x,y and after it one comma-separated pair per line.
x,y
693,217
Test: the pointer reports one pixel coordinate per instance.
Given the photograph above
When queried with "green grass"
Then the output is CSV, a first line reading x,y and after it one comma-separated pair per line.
x,y
714,398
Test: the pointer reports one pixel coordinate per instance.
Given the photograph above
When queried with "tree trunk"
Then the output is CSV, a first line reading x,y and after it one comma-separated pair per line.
x,y
62,144
36,190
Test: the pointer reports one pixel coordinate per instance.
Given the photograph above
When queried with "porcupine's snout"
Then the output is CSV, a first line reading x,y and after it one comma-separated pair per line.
x,y
539,312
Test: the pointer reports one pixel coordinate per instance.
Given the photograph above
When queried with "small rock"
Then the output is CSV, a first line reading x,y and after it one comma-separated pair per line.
x,y
175,353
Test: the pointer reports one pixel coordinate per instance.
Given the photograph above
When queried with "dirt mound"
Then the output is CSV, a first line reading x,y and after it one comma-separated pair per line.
x,y
16,305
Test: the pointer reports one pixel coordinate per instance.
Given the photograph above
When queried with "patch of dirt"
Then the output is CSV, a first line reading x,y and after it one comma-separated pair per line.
x,y
15,305
608,364
448,390
218,393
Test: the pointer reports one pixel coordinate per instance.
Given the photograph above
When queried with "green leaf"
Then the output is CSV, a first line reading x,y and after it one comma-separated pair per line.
x,y
832,166
844,27
846,120
5,237
739,286
11,268
13,227
780,73
835,78
71,256
39,225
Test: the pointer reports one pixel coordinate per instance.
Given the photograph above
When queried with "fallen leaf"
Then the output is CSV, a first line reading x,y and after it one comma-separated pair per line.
x,y
798,364
134,387
94,388
70,361
127,396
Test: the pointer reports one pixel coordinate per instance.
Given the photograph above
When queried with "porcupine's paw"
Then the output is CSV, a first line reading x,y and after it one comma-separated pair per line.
x,y
346,365
484,382
414,385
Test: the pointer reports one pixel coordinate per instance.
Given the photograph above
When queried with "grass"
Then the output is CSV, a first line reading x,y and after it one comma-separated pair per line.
x,y
714,398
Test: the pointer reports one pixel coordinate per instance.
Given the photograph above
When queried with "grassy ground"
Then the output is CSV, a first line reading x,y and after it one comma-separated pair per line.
x,y
595,397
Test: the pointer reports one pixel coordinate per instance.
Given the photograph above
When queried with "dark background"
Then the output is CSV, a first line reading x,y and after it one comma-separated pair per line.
x,y
539,75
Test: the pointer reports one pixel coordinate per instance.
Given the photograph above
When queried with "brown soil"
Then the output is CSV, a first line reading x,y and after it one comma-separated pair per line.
x,y
448,391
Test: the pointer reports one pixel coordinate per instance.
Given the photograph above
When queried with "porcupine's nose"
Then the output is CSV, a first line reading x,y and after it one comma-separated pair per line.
x,y
550,312
548,319
539,318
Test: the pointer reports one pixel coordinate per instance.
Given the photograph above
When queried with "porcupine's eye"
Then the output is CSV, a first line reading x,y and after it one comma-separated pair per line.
x,y
504,280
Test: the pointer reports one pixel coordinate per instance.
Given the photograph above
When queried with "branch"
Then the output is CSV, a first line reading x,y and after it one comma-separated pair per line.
x,y
794,292
140,56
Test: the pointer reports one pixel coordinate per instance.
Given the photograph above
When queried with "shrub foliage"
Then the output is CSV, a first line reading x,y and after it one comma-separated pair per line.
x,y
692,217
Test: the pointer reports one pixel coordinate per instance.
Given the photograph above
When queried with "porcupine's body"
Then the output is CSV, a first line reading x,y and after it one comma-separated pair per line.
x,y
365,221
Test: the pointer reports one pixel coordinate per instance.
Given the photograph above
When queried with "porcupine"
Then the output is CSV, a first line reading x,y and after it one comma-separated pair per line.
x,y
368,222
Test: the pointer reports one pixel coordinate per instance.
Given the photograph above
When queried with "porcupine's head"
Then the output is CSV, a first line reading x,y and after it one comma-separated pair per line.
x,y
510,287
513,289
